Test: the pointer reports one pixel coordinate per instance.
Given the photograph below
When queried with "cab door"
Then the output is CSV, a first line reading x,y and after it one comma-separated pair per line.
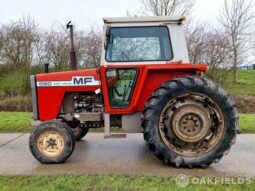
x,y
119,85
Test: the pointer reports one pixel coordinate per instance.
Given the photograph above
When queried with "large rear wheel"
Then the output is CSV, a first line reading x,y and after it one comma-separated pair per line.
x,y
190,121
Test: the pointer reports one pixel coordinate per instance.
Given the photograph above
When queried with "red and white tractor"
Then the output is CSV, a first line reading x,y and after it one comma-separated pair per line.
x,y
146,84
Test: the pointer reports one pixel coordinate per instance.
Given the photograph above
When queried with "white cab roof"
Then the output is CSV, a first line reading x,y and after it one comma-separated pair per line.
x,y
160,19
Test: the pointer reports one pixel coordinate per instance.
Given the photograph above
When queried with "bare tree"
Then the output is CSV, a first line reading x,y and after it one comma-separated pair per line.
x,y
18,41
56,47
89,46
196,41
216,53
210,46
237,17
252,42
166,7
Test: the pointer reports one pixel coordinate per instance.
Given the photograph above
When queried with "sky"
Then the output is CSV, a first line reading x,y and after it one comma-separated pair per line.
x,y
85,13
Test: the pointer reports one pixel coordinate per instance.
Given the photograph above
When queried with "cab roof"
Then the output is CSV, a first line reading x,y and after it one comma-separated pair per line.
x,y
154,19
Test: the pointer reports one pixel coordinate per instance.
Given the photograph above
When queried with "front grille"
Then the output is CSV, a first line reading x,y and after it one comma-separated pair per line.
x,y
34,96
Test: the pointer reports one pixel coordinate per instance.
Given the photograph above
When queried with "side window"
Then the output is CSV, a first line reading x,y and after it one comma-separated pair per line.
x,y
125,49
136,44
121,84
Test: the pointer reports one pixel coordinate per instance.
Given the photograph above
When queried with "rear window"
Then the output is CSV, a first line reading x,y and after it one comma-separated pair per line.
x,y
135,44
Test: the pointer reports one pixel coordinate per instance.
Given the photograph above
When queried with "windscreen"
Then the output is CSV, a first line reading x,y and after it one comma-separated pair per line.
x,y
135,44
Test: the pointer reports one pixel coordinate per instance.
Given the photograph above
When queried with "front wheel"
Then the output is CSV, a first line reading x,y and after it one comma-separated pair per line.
x,y
190,121
52,142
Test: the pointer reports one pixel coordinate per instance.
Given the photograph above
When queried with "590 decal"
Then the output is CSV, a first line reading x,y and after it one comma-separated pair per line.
x,y
76,81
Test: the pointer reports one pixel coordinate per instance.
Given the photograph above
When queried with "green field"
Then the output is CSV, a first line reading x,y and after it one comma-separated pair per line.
x,y
245,83
15,122
19,122
110,183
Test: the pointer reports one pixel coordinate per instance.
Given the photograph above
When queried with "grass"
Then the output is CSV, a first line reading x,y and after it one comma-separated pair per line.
x,y
110,183
245,84
19,122
15,122
247,123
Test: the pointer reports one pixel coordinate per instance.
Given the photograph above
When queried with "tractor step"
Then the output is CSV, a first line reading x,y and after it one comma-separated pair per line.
x,y
115,136
107,129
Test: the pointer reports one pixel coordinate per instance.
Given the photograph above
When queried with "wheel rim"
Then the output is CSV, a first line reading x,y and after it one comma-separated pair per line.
x,y
51,143
191,124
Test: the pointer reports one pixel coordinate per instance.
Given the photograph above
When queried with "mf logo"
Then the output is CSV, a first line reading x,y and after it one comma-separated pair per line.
x,y
75,81
82,80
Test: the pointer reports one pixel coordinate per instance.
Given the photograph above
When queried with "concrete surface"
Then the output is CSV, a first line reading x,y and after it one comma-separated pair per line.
x,y
130,156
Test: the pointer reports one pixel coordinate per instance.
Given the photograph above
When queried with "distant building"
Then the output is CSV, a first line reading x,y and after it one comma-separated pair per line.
x,y
246,67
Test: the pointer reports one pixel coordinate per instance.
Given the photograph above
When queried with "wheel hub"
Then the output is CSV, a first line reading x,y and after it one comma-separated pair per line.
x,y
190,122
190,125
50,143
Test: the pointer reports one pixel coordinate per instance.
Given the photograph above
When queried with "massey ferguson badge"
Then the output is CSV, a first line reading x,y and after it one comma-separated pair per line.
x,y
76,81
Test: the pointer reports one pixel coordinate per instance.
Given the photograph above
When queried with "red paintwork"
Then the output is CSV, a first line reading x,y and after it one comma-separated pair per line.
x,y
149,78
50,98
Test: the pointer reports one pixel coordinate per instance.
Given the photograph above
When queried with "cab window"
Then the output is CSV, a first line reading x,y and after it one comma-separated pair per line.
x,y
136,44
120,84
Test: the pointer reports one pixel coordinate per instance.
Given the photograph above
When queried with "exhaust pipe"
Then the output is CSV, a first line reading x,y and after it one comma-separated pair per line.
x,y
72,53
46,68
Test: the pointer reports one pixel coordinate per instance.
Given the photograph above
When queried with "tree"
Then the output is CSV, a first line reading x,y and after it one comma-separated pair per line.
x,y
56,47
252,42
237,17
210,46
196,41
87,45
18,41
166,7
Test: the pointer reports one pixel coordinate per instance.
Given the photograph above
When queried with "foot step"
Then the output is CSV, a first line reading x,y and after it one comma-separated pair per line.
x,y
115,135
107,129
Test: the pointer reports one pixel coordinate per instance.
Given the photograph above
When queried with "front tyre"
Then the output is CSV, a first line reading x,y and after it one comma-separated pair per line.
x,y
190,121
52,142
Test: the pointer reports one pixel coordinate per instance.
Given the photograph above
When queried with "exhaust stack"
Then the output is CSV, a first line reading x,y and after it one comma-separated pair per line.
x,y
72,53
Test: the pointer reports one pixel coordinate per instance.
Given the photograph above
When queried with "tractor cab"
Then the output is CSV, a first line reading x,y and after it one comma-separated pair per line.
x,y
133,41
141,40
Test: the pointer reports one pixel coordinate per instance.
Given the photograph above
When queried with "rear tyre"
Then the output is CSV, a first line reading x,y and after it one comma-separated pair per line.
x,y
52,142
190,121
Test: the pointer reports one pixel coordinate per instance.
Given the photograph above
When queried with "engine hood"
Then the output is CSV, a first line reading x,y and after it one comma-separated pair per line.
x,y
88,77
